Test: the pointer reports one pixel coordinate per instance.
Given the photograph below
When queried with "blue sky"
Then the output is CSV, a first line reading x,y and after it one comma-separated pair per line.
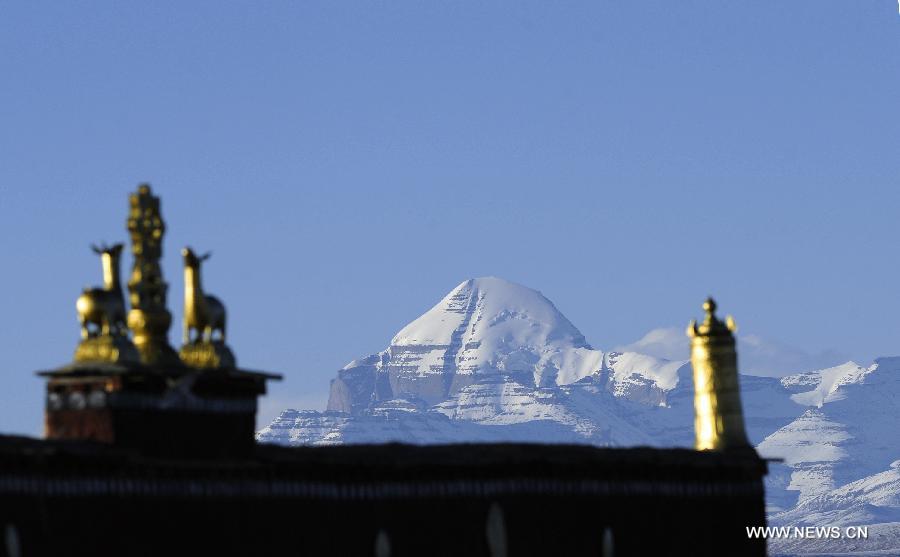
x,y
349,163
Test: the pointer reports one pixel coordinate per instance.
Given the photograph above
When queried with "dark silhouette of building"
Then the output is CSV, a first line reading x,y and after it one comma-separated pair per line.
x,y
77,498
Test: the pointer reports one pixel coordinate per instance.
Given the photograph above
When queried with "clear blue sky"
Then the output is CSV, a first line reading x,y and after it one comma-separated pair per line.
x,y
350,162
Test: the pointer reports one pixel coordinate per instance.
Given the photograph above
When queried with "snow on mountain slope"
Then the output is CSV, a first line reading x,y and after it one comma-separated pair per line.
x,y
848,433
493,410
582,413
826,383
392,421
640,377
872,499
811,449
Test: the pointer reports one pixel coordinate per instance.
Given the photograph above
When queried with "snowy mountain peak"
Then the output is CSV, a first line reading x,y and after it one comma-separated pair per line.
x,y
489,309
485,327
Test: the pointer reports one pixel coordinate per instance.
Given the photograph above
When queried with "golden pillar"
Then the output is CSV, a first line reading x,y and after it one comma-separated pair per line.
x,y
718,419
148,319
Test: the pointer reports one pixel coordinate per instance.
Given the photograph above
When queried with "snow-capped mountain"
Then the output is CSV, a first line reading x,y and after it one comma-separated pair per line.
x,y
496,361
497,354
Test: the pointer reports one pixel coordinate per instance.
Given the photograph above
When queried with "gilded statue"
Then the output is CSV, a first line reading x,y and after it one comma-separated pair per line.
x,y
204,320
104,307
101,311
203,314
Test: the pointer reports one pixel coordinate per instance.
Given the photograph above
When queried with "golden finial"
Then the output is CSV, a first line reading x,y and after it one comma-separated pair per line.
x,y
711,324
718,418
148,319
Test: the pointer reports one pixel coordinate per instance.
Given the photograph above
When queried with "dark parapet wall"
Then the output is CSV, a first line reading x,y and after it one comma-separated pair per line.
x,y
78,498
166,412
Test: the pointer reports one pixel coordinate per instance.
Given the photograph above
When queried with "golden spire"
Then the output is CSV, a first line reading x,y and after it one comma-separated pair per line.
x,y
148,319
718,419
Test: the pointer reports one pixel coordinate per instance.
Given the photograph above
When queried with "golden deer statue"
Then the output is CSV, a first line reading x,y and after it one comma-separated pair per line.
x,y
203,314
104,307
